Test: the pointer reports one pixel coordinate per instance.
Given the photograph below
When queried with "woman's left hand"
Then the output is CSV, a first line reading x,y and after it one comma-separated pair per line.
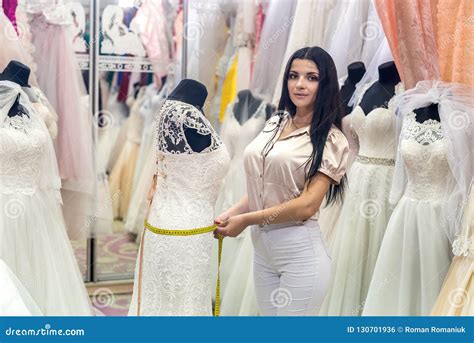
x,y
232,227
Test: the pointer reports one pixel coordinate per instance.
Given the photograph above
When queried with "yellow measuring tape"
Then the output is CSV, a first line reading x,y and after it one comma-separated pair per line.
x,y
191,232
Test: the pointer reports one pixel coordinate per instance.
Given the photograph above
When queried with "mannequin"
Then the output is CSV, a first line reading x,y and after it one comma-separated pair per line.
x,y
194,93
18,73
254,103
355,71
428,112
379,94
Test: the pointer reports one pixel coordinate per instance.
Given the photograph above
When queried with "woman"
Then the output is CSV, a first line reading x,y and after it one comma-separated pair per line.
x,y
299,158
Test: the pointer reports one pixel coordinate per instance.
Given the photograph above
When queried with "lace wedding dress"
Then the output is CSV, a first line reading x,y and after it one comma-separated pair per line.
x,y
176,270
365,212
415,253
33,239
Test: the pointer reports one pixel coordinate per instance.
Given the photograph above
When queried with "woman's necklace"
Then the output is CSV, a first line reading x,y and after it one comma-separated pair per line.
x,y
296,126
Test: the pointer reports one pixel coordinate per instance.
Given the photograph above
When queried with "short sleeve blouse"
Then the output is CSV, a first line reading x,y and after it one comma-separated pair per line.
x,y
279,175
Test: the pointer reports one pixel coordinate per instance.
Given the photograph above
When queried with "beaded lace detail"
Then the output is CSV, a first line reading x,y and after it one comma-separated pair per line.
x,y
175,116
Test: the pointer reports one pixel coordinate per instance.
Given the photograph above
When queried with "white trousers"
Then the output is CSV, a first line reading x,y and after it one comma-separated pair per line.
x,y
291,269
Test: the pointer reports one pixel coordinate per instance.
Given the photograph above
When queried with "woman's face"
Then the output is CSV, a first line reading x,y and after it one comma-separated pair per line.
x,y
303,83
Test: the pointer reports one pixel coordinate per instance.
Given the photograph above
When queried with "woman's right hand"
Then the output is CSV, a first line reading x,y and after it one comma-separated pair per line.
x,y
219,220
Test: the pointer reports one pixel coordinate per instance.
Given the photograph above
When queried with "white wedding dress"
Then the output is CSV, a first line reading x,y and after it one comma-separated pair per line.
x,y
33,239
364,214
416,253
176,270
14,298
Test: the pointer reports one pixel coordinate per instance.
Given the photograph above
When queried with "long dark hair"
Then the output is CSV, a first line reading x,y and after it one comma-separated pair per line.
x,y
326,112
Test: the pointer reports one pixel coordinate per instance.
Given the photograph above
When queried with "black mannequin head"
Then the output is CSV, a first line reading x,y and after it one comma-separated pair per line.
x,y
388,73
427,112
244,94
380,93
191,92
355,71
16,72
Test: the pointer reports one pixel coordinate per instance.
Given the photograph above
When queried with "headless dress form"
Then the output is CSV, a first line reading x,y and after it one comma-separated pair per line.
x,y
194,93
18,73
244,97
428,112
379,94
355,71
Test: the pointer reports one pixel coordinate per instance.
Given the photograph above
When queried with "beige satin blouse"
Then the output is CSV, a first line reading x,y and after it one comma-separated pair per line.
x,y
280,175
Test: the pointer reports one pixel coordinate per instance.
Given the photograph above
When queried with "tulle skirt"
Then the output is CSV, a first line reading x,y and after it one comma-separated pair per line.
x,y
14,298
139,203
35,246
232,190
359,233
413,261
238,298
60,80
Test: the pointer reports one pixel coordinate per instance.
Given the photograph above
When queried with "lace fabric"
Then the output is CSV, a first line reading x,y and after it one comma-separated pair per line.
x,y
432,145
176,271
423,149
26,151
174,118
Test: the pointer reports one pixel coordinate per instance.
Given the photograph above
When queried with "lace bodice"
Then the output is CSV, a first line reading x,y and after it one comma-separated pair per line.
x,y
376,132
175,116
424,153
22,150
188,182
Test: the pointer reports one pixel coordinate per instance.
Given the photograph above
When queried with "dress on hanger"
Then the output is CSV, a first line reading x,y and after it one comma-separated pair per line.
x,y
415,253
236,135
146,166
33,239
54,55
121,177
12,48
175,277
432,176
455,298
269,52
365,212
